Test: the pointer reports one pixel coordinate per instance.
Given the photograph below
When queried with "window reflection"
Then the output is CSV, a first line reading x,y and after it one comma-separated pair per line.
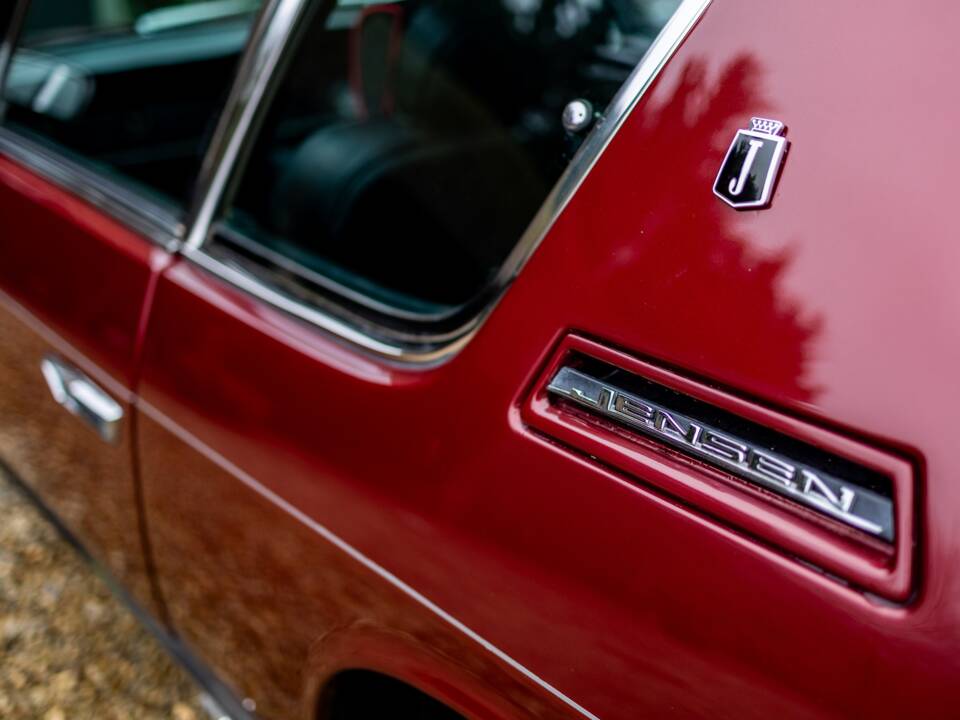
x,y
411,143
131,88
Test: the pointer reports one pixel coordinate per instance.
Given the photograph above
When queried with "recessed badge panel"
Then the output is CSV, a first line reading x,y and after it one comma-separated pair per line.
x,y
832,501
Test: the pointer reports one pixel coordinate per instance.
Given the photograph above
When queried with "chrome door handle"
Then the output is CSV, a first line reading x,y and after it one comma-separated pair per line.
x,y
80,396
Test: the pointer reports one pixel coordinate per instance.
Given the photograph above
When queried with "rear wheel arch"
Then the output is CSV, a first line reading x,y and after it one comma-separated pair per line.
x,y
359,694
424,670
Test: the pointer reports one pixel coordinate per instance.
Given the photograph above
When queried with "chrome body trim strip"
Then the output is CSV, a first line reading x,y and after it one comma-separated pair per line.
x,y
841,499
270,40
253,484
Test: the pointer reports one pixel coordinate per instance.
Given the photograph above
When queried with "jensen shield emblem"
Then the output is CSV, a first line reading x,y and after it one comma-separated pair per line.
x,y
750,168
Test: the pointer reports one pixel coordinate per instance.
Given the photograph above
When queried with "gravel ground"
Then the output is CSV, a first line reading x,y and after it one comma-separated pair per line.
x,y
68,648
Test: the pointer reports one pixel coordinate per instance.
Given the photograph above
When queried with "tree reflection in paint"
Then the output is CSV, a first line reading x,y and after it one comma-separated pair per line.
x,y
699,259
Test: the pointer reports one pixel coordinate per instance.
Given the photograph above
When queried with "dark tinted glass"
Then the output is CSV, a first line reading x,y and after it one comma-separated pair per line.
x,y
6,15
411,143
131,87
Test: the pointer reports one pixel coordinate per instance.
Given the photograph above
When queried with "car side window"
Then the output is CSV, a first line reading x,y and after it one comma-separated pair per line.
x,y
6,15
131,88
410,144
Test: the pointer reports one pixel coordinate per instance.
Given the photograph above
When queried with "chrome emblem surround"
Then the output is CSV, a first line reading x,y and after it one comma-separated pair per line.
x,y
843,500
751,166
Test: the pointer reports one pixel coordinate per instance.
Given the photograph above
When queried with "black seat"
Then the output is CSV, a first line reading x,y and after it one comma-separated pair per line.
x,y
431,184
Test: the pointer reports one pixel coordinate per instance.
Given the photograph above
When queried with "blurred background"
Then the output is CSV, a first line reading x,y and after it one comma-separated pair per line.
x,y
68,648
49,14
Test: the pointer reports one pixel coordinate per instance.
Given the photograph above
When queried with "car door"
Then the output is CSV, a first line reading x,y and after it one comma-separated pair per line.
x,y
92,196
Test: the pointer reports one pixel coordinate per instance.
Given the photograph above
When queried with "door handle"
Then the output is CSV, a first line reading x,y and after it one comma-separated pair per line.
x,y
80,396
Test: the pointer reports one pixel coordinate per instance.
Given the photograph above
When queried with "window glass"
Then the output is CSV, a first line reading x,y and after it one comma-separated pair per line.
x,y
131,87
6,14
411,143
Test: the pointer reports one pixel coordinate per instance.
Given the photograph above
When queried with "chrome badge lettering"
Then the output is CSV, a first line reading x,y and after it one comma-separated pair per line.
x,y
843,500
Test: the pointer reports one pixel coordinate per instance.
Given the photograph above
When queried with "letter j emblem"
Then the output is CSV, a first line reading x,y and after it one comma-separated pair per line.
x,y
750,169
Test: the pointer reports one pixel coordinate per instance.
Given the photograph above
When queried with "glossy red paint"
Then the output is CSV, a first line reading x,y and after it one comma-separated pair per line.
x,y
622,599
625,600
72,284
81,274
313,508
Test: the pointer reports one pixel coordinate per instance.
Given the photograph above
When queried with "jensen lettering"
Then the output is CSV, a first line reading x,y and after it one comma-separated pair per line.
x,y
858,507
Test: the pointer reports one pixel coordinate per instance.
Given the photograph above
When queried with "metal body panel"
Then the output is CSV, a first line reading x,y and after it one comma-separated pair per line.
x,y
72,288
313,507
619,598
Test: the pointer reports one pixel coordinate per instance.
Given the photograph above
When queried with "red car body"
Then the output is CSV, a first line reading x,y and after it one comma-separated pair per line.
x,y
293,506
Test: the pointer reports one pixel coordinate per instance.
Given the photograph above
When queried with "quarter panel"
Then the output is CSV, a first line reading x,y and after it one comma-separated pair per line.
x,y
606,591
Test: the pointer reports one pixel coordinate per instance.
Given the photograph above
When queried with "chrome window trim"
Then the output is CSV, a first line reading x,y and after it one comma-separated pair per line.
x,y
236,132
615,115
159,223
137,211
162,224
268,42
256,78
6,47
